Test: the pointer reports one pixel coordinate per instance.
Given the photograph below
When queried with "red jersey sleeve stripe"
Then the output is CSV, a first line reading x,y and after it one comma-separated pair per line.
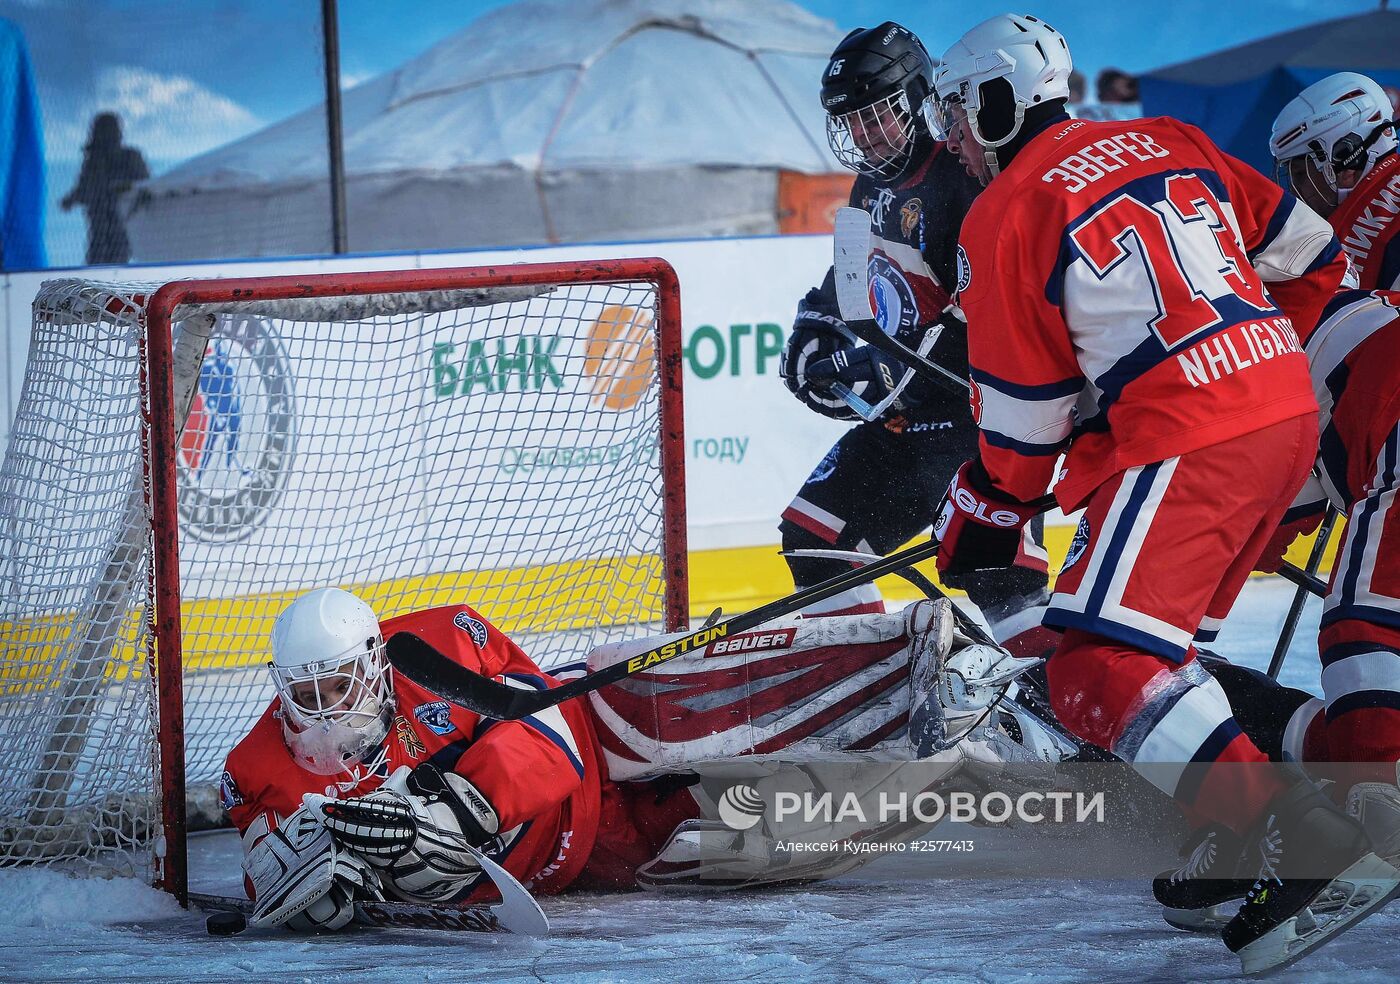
x,y
1029,391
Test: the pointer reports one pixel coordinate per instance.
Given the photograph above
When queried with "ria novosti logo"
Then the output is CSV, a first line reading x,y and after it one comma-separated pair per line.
x,y
740,807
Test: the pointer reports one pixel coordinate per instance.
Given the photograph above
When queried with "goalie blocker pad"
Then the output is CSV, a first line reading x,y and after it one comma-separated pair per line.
x,y
797,690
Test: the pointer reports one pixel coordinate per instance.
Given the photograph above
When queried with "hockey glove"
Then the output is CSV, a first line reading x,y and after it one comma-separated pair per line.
x,y
415,830
816,337
302,880
978,526
871,374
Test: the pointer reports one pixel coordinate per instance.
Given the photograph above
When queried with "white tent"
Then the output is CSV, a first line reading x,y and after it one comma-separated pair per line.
x,y
544,121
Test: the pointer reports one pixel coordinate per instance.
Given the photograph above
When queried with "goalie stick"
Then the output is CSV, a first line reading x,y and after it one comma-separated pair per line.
x,y
517,912
427,667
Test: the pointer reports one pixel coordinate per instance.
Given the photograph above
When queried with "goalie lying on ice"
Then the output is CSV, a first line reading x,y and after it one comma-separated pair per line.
x,y
358,784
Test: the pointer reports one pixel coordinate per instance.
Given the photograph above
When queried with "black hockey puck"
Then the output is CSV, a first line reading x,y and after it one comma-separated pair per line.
x,y
226,923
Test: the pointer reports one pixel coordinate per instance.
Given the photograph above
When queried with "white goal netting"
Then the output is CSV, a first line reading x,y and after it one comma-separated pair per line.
x,y
499,446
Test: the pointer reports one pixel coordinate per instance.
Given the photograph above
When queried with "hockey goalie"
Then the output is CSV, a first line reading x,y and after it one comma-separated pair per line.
x,y
356,783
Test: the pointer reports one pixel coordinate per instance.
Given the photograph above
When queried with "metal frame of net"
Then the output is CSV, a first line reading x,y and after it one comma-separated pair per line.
x,y
506,437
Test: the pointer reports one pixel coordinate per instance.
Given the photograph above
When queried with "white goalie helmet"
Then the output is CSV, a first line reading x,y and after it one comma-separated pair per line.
x,y
1342,123
993,74
333,681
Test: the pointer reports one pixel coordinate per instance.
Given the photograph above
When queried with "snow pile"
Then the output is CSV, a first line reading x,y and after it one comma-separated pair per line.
x,y
42,898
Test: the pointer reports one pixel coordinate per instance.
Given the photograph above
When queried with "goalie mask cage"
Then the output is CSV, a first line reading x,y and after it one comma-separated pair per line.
x,y
189,457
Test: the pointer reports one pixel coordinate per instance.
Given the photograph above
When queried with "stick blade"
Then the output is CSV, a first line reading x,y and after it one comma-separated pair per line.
x,y
517,912
427,667
850,263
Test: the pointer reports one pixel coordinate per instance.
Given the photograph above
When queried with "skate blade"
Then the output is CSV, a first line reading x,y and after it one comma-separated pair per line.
x,y
1211,919
1359,891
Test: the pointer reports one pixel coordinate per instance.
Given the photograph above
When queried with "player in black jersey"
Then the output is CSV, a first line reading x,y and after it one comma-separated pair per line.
x,y
879,484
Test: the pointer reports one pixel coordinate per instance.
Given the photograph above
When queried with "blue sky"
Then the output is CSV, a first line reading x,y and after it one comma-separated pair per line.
x,y
189,75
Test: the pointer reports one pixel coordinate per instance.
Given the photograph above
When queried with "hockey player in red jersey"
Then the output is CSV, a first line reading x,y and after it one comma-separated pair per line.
x,y
1334,146
1132,295
877,486
358,783
1355,357
529,793
1353,353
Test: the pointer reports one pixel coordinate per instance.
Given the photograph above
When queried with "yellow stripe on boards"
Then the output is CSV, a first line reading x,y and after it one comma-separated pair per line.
x,y
221,633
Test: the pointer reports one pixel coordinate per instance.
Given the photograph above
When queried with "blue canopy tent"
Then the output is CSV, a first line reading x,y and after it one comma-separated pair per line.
x,y
1235,94
21,157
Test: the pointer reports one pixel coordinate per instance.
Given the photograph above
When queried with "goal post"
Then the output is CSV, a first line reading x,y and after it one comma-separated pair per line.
x,y
510,437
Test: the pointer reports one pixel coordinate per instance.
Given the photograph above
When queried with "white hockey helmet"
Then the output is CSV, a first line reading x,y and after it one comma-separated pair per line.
x,y
1342,123
994,73
333,681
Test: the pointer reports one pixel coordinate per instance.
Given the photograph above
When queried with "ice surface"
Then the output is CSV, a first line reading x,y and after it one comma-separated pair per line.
x,y
876,925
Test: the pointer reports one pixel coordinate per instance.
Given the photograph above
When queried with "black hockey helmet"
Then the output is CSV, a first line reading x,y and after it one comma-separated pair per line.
x,y
872,90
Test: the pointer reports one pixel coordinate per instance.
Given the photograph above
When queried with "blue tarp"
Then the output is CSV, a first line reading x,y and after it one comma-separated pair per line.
x,y
1234,95
21,157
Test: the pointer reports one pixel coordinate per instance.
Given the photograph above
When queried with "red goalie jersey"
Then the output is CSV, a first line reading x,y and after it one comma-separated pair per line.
x,y
541,774
1148,330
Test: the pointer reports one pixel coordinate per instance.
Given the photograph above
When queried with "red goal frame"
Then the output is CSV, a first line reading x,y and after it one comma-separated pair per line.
x,y
161,445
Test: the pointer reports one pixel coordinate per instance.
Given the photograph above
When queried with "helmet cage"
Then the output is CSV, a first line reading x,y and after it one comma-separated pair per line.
x,y
876,140
1349,152
328,736
365,672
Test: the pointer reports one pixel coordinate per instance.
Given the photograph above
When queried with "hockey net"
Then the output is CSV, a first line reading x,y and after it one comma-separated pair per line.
x,y
506,437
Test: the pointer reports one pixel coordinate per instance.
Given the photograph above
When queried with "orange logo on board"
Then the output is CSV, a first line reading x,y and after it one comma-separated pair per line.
x,y
621,356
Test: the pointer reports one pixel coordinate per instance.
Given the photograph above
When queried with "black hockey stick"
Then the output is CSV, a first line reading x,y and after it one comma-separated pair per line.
x,y
850,264
1310,583
965,622
427,667
1307,581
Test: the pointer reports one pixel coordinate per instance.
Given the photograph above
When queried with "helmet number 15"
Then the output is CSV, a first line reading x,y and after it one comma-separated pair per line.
x,y
1185,309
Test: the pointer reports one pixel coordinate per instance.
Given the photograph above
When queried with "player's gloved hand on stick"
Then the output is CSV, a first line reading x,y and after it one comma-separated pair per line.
x,y
816,337
415,830
871,374
978,526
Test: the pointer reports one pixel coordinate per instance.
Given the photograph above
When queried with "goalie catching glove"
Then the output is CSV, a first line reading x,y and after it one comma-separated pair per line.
x,y
417,830
978,526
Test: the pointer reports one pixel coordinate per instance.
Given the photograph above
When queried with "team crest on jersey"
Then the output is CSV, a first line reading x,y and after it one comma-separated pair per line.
x,y
891,297
473,627
974,399
879,205
229,796
436,715
412,745
964,270
1078,545
827,466
910,216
